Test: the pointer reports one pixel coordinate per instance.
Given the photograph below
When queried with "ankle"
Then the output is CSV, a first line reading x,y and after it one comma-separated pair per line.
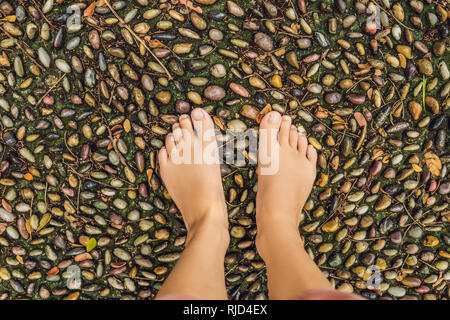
x,y
271,237
211,230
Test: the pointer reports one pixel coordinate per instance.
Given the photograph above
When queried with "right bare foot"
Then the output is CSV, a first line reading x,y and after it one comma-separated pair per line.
x,y
282,193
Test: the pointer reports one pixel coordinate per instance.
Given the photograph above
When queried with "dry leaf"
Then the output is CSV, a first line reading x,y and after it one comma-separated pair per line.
x,y
3,227
377,153
433,163
11,18
154,43
218,121
89,11
4,61
263,112
149,175
53,271
44,221
190,5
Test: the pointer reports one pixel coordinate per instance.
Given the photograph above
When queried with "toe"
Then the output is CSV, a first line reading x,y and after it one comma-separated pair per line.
x,y
302,144
293,136
186,125
177,133
170,144
162,157
268,132
203,124
311,154
283,136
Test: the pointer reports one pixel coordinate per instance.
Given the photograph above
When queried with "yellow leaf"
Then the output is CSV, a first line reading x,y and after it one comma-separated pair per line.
x,y
218,122
44,221
91,244
416,168
28,226
263,112
11,18
19,258
149,175
433,163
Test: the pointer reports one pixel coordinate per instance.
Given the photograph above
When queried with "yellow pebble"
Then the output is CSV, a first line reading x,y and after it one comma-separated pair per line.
x,y
316,144
276,81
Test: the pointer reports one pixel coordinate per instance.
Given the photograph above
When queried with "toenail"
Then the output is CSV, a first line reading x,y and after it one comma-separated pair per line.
x,y
286,118
183,116
274,117
197,114
293,127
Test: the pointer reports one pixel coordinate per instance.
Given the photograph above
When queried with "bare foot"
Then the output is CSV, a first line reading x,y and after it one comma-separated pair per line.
x,y
283,192
189,167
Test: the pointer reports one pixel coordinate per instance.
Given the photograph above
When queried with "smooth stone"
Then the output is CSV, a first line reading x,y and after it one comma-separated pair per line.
x,y
264,41
333,97
214,93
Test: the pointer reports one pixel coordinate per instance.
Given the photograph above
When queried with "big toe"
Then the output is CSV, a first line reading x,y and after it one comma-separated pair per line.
x,y
268,133
271,121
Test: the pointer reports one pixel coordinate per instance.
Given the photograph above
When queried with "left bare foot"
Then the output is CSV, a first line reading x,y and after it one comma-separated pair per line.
x,y
190,169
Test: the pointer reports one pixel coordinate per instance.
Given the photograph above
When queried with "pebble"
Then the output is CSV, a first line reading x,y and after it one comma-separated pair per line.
x,y
85,109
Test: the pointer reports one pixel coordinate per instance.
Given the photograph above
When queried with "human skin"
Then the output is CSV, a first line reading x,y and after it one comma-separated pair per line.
x,y
200,270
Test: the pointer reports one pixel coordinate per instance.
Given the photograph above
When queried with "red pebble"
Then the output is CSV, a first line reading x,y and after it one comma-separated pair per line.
x,y
49,100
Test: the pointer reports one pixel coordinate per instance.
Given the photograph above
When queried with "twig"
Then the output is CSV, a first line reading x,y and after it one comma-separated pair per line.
x,y
22,49
49,90
138,39
42,14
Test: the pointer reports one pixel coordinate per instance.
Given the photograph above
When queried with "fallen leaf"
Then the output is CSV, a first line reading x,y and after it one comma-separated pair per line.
x,y
3,227
433,163
11,18
154,43
263,112
377,153
149,175
89,11
28,176
91,244
218,121
53,271
4,61
190,5
44,221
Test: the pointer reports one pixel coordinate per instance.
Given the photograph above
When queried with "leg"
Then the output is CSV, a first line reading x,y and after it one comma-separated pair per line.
x,y
189,167
279,201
